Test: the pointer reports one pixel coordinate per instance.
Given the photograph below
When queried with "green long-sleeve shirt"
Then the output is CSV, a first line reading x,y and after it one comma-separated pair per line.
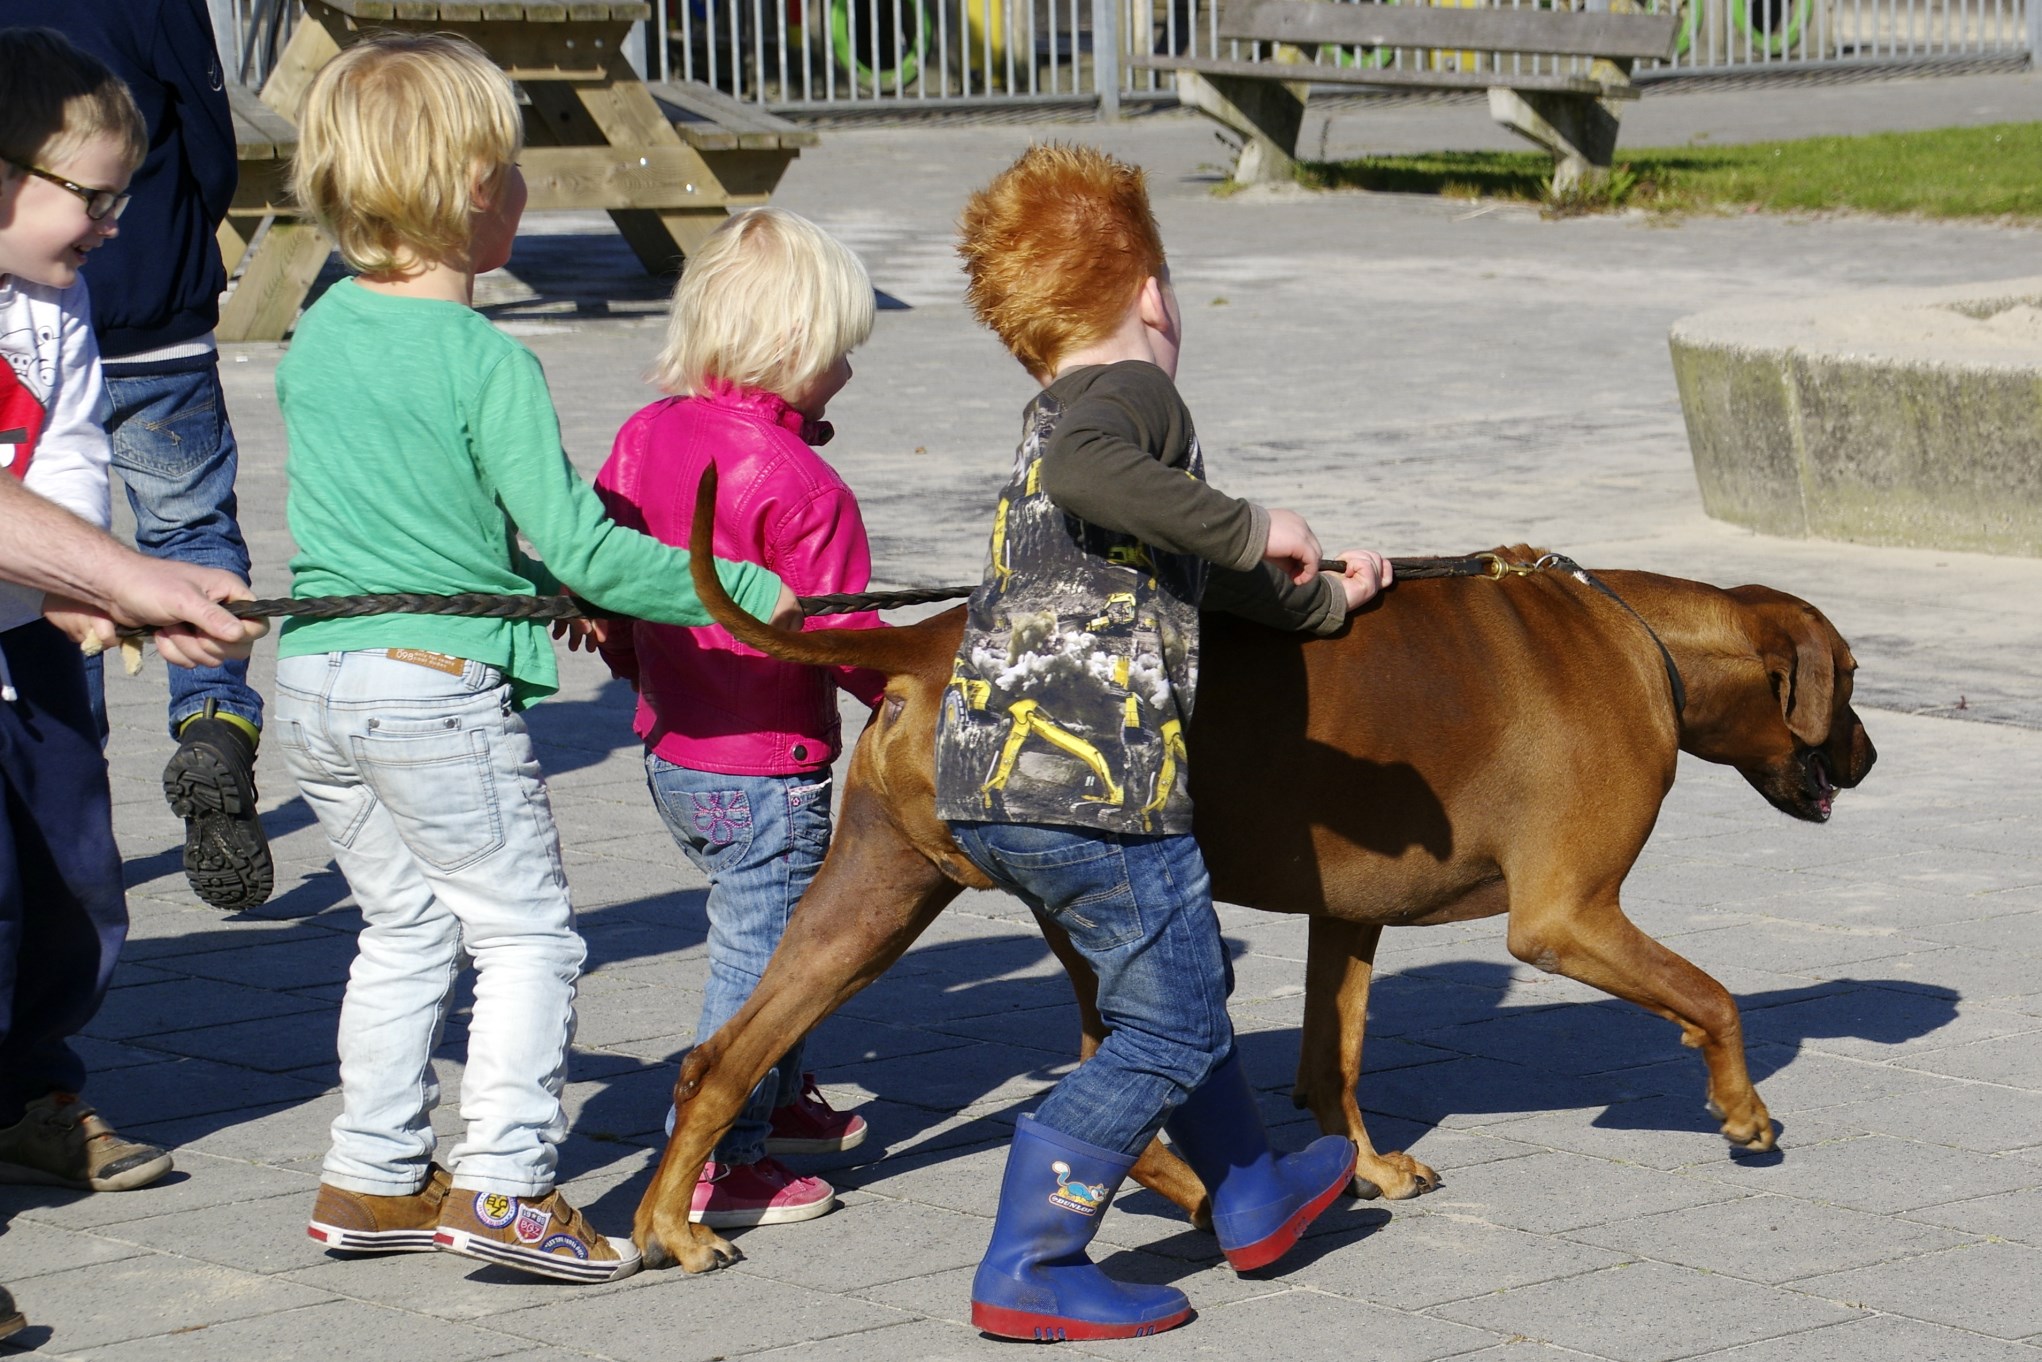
x,y
422,442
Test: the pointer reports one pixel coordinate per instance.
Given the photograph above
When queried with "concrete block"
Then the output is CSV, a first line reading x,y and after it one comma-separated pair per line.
x,y
2007,1215
1606,1313
1884,1176
1770,1239
1558,1193
1909,417
1429,1259
1882,1338
1992,1289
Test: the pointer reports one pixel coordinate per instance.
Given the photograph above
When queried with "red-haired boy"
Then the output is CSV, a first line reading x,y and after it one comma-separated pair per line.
x,y
1060,761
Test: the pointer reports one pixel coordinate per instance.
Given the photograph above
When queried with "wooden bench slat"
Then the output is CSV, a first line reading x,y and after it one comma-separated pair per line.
x,y
1315,73
260,132
700,111
1567,33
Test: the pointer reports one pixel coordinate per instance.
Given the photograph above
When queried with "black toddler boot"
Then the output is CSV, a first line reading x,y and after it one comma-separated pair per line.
x,y
210,783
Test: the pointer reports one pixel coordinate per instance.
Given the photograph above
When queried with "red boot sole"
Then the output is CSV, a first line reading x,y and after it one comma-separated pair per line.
x,y
1267,1250
1002,1322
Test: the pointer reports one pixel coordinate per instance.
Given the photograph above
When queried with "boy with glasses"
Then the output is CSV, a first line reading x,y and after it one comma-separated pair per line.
x,y
70,137
155,302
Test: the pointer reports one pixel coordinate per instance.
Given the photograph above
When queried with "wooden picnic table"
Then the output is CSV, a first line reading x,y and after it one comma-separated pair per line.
x,y
667,162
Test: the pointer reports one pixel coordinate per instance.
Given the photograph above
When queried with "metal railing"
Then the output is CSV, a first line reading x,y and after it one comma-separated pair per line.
x,y
846,55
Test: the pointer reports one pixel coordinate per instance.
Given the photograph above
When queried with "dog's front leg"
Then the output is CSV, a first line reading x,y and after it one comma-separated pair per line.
x,y
1595,943
1339,967
874,895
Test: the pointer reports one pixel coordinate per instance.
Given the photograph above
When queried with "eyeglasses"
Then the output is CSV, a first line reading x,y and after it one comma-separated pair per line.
x,y
100,204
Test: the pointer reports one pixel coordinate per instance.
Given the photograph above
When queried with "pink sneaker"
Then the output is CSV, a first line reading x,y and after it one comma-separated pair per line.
x,y
732,1195
808,1125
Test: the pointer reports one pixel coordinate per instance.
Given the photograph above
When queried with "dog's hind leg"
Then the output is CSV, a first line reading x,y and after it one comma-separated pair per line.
x,y
1587,937
1339,967
874,895
1159,1170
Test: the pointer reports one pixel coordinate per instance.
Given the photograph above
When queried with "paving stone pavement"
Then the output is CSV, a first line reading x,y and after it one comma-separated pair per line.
x,y
1421,375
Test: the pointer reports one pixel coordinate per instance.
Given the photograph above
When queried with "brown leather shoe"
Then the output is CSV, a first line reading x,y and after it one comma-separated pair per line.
x,y
62,1142
12,1321
357,1222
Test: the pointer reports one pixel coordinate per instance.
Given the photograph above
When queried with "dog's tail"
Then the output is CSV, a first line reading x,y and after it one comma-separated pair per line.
x,y
911,648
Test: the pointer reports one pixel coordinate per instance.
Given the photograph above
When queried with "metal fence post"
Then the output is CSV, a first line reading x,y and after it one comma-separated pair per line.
x,y
2034,17
1106,23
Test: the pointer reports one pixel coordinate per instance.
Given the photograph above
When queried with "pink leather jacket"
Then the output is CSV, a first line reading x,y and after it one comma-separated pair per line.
x,y
706,701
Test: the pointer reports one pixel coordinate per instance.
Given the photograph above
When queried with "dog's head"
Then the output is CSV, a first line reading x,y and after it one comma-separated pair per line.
x,y
1797,740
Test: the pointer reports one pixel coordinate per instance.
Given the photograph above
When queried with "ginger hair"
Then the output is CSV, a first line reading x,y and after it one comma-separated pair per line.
x,y
1056,250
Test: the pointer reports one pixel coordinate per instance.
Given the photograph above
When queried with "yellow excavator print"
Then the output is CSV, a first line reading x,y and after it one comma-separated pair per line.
x,y
1029,721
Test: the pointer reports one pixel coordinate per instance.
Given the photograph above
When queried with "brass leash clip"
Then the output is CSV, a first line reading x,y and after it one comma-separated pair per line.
x,y
1495,568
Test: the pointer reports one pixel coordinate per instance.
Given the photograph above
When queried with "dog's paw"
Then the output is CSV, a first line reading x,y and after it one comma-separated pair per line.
x,y
698,1250
1753,1132
1395,1175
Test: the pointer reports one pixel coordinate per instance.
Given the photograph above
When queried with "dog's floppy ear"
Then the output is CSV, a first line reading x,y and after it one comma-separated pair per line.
x,y
1802,667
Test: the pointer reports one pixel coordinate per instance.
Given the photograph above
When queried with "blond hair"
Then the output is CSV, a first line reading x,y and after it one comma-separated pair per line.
x,y
55,97
397,136
1056,249
771,301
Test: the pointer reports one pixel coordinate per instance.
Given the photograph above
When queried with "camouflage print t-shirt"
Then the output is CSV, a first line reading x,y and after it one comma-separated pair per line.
x,y
1070,694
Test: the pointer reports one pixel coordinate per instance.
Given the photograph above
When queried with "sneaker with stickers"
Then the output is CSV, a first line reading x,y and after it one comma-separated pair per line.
x,y
810,1125
533,1234
358,1222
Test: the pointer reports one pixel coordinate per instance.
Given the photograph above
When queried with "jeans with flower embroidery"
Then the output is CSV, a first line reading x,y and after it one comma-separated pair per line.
x,y
760,840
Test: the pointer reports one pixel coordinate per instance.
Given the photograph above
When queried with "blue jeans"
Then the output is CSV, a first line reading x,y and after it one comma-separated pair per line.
x,y
1139,909
760,840
63,913
426,785
175,451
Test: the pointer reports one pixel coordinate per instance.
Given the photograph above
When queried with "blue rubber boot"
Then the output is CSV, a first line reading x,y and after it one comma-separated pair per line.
x,y
1035,1281
1260,1203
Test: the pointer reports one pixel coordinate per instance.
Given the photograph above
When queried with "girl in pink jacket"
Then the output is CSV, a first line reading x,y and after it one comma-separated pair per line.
x,y
738,746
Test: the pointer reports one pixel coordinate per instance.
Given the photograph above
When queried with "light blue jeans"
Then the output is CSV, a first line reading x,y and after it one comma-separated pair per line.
x,y
760,840
175,451
1139,909
427,787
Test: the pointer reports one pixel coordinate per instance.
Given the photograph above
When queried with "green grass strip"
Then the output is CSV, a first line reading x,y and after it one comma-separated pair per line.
x,y
1990,171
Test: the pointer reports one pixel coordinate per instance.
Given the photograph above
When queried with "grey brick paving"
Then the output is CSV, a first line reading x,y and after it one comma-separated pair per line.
x,y
1425,376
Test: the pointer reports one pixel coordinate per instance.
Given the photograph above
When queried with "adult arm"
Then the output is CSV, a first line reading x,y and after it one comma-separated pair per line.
x,y
97,582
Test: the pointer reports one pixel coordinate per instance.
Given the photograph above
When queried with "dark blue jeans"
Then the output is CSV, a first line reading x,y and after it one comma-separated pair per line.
x,y
175,451
1139,909
63,912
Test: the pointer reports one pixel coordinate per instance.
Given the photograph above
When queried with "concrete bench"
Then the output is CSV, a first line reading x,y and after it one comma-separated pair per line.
x,y
1887,416
1571,114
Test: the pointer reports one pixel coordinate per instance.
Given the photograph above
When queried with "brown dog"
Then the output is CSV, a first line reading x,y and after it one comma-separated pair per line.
x,y
1466,747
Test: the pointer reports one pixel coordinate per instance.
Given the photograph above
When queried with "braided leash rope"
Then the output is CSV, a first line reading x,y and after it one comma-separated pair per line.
x,y
492,606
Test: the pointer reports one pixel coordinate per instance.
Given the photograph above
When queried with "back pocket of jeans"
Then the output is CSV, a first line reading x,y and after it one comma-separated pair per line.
x,y
439,787
715,826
